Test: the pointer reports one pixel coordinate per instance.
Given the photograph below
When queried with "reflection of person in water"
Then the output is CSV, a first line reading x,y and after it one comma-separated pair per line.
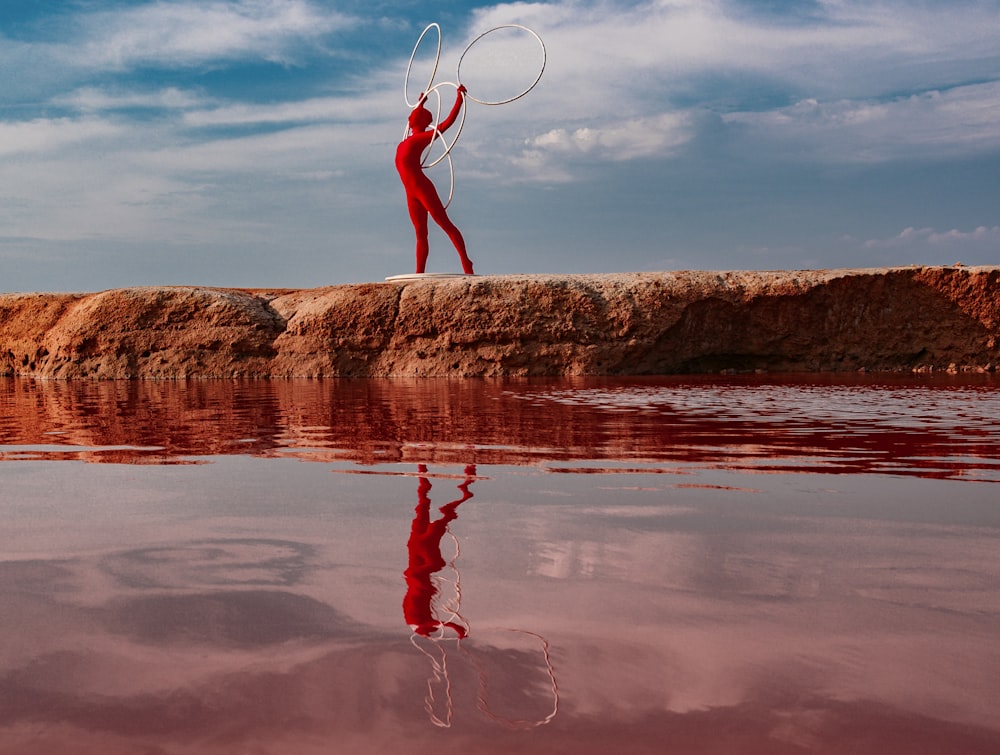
x,y
425,560
429,617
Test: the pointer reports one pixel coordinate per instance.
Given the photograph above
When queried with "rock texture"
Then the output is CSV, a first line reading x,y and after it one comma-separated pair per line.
x,y
913,318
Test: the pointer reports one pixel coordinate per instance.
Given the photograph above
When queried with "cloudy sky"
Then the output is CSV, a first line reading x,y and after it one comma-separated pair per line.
x,y
251,142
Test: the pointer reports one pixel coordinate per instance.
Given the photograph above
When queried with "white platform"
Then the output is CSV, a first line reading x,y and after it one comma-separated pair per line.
x,y
425,276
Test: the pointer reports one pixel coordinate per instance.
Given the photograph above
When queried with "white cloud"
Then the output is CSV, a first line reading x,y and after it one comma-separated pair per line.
x,y
850,49
50,135
315,109
93,99
614,69
198,110
639,137
280,154
150,181
184,32
932,124
909,237
982,233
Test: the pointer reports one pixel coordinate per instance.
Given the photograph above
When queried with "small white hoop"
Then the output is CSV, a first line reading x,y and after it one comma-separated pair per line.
x,y
458,72
437,59
440,134
451,176
451,187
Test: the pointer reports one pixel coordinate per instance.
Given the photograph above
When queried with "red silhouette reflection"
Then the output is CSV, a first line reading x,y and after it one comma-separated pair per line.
x,y
429,614
420,609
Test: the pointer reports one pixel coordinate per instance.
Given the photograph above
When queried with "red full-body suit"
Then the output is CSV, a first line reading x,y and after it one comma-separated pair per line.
x,y
421,196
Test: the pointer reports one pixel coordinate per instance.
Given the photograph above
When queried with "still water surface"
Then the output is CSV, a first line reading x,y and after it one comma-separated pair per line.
x,y
743,565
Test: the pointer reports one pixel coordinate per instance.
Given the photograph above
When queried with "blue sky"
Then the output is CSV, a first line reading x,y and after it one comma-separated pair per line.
x,y
251,142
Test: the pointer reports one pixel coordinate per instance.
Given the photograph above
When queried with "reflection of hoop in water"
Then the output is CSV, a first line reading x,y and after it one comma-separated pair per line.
x,y
409,67
440,677
439,669
458,72
483,702
454,604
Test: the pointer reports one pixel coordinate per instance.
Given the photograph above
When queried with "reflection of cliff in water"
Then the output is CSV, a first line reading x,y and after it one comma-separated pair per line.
x,y
830,424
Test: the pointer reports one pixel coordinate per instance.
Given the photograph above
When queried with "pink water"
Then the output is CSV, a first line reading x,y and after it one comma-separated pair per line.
x,y
744,565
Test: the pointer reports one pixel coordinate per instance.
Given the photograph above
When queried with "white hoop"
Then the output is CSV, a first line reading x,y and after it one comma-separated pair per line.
x,y
440,134
458,71
437,59
451,188
451,176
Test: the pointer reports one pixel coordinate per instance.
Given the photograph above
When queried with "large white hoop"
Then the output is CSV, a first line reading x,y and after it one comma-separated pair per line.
x,y
458,72
409,67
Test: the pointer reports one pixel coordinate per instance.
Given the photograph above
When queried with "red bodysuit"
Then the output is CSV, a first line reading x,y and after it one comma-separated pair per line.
x,y
421,196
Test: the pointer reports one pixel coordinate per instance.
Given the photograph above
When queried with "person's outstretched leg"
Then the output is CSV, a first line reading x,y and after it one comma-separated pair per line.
x,y
441,218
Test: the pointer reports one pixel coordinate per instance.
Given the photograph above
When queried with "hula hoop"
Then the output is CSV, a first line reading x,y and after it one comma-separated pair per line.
x,y
458,71
409,67
451,187
440,134
451,177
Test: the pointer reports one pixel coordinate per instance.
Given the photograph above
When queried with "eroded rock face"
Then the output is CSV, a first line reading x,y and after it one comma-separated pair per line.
x,y
915,318
137,332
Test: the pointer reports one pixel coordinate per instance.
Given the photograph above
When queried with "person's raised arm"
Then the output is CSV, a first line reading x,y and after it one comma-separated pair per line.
x,y
450,120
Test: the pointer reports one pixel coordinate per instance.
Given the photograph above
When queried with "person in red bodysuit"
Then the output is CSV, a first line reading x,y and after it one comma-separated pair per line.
x,y
421,196
424,547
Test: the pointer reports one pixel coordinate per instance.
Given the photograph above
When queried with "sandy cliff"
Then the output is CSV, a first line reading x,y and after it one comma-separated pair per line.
x,y
914,318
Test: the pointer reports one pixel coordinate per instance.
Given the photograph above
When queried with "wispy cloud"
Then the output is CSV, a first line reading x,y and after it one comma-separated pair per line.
x,y
857,81
960,121
547,157
638,137
910,237
844,48
315,109
49,136
187,33
97,99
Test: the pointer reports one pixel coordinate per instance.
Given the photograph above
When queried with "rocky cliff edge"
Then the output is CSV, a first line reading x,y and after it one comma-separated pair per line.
x,y
912,318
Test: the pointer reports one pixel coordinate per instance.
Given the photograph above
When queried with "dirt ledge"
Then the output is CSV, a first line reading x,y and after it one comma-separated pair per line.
x,y
907,318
